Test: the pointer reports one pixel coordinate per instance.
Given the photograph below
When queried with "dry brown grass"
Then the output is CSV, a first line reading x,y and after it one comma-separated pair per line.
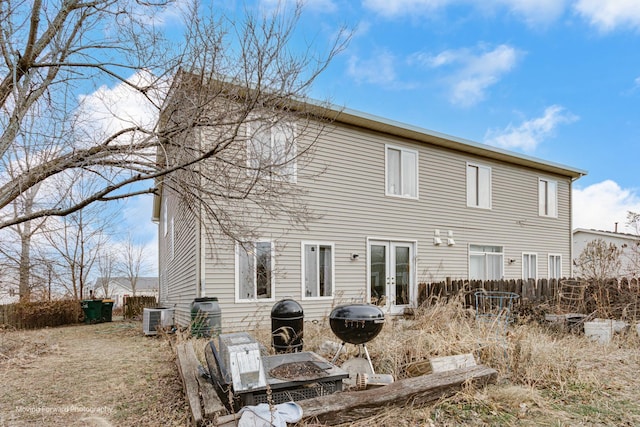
x,y
104,374
547,376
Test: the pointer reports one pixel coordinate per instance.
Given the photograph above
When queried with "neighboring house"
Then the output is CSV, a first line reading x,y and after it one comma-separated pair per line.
x,y
628,243
119,287
397,205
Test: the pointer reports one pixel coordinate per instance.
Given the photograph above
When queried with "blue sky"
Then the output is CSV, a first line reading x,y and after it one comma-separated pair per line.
x,y
554,79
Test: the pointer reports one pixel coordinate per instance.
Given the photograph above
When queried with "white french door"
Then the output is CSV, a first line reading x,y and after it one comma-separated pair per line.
x,y
391,273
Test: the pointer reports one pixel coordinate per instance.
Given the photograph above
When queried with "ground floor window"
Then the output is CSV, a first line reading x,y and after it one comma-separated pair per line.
x,y
529,266
555,266
254,270
486,262
317,269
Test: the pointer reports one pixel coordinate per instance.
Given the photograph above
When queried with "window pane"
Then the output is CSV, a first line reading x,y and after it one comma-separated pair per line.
x,y
494,267
476,267
378,273
393,172
472,185
484,187
263,270
555,266
246,272
284,151
409,174
326,274
552,198
542,197
402,275
311,270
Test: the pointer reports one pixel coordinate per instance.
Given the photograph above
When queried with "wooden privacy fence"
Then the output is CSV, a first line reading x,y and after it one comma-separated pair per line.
x,y
133,306
540,291
40,314
617,298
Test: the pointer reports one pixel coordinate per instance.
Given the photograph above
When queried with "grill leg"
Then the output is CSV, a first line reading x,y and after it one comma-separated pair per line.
x,y
366,352
337,353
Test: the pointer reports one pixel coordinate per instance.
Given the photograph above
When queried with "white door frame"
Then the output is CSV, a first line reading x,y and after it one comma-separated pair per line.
x,y
389,280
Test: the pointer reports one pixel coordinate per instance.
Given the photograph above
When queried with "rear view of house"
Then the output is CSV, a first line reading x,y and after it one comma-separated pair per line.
x,y
386,206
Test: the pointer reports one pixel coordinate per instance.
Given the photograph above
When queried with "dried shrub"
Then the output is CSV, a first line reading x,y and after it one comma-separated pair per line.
x,y
40,314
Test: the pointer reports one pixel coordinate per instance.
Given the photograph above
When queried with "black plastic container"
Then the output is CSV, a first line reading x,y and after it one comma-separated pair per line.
x,y
356,323
287,326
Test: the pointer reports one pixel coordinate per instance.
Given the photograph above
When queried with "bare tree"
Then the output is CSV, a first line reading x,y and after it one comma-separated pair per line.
x,y
107,263
49,50
132,263
77,239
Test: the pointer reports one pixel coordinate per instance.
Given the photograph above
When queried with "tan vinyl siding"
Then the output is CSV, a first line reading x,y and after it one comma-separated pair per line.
x,y
180,257
345,186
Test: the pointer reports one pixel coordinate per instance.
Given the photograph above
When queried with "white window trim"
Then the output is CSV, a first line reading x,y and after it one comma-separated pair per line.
x,y
165,217
333,270
238,247
480,166
549,265
294,130
529,254
386,171
540,212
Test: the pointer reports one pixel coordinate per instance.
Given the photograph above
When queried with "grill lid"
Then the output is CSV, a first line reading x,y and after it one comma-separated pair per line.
x,y
356,323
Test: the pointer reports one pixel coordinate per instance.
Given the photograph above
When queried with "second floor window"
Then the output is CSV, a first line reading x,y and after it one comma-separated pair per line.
x,y
402,172
478,186
271,151
547,198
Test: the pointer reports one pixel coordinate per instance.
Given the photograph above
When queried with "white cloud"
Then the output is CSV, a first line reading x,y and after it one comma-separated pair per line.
x,y
477,71
600,206
326,6
529,134
607,15
378,69
110,109
391,8
533,12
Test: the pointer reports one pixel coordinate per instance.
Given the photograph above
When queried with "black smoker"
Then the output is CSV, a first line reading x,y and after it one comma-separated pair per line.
x,y
287,326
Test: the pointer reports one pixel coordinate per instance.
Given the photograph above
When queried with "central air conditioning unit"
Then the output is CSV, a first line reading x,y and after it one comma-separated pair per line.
x,y
156,318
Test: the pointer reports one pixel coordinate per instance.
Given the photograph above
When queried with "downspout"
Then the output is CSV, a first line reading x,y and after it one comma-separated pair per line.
x,y
201,256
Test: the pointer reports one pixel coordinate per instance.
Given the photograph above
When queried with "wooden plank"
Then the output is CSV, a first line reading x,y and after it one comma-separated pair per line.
x,y
188,371
449,363
211,404
350,406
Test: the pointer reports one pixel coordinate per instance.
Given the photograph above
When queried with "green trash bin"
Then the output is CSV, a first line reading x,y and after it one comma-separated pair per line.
x,y
92,309
107,310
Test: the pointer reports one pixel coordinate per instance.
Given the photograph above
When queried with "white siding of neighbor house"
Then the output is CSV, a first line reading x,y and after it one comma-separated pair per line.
x,y
178,259
627,243
346,186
